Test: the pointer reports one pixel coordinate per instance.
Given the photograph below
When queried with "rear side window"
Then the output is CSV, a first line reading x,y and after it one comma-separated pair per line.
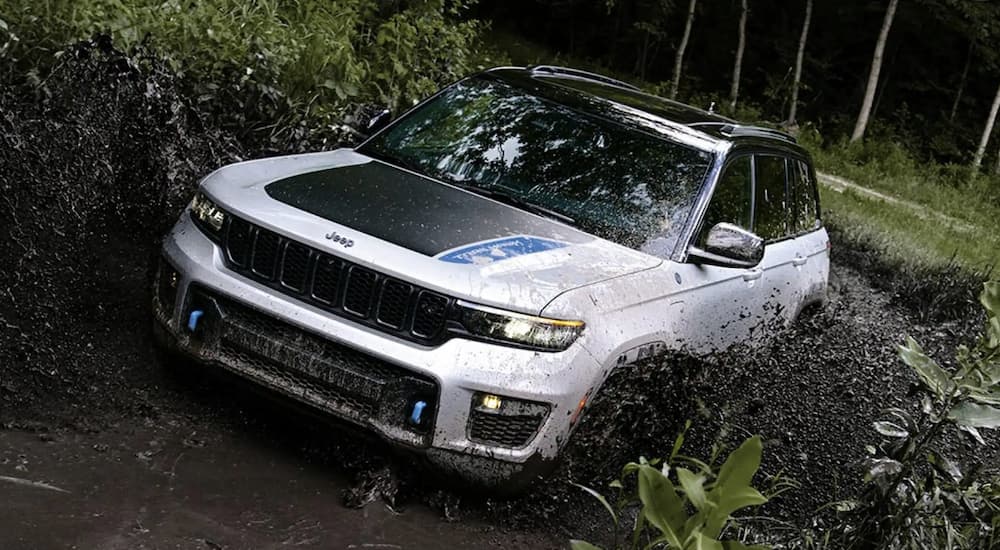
x,y
770,219
731,200
805,211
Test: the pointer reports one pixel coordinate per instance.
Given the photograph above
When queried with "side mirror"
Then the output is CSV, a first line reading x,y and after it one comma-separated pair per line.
x,y
728,245
376,122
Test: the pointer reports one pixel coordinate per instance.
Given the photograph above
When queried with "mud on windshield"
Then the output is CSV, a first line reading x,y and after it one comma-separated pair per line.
x,y
611,180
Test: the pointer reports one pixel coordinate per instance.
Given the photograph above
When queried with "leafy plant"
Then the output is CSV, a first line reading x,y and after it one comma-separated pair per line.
x,y
918,497
684,503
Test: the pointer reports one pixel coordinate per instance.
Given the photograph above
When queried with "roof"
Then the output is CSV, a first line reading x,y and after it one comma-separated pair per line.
x,y
621,93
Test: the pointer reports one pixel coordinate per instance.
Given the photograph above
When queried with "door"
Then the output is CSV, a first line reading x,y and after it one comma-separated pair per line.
x,y
812,241
780,287
716,307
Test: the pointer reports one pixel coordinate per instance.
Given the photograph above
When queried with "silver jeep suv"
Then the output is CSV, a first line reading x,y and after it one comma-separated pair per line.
x,y
463,282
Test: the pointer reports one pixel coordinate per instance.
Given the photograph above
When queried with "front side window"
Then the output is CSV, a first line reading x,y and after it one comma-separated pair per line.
x,y
770,219
613,181
731,199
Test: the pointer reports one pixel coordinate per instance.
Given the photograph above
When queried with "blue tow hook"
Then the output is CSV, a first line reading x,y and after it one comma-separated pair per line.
x,y
193,319
418,411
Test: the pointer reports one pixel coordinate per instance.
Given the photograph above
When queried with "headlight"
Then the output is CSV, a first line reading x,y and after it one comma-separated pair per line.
x,y
208,215
524,330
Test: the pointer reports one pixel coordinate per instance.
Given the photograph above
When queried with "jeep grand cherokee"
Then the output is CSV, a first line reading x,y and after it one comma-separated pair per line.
x,y
463,282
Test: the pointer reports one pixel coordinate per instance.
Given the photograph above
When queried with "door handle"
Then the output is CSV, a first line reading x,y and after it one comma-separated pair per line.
x,y
800,261
753,274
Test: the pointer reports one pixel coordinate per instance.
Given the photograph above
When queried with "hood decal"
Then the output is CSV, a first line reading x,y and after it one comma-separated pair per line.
x,y
495,250
411,210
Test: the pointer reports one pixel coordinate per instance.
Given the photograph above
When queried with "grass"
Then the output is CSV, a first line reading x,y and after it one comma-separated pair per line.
x,y
908,236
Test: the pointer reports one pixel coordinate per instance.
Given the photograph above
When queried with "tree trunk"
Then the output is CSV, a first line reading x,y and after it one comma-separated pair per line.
x,y
734,91
798,63
977,160
866,105
679,60
961,83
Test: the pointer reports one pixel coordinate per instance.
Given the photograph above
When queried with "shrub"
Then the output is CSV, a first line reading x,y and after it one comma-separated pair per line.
x,y
685,503
917,496
258,63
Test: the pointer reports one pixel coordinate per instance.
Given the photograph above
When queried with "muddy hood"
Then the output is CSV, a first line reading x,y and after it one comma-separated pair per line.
x,y
418,229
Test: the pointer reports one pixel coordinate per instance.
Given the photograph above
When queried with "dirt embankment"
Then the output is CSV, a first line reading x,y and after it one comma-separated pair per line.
x,y
96,166
92,167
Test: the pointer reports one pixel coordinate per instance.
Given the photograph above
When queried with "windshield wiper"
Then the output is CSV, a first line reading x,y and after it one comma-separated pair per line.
x,y
516,202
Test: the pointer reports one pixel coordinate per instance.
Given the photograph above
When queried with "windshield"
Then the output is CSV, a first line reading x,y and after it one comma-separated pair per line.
x,y
615,182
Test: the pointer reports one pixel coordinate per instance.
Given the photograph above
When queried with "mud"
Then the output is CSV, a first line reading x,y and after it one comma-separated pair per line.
x,y
96,162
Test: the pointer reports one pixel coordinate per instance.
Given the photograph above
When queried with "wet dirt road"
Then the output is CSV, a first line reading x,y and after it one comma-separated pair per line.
x,y
168,484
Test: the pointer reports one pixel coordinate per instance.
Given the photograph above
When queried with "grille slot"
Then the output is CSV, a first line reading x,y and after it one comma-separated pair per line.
x,y
295,266
360,291
265,254
326,279
239,239
391,304
430,315
501,430
335,285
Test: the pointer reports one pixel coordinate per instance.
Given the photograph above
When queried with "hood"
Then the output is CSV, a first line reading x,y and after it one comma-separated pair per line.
x,y
418,229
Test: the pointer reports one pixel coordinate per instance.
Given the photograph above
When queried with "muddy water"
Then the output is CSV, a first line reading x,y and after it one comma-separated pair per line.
x,y
174,484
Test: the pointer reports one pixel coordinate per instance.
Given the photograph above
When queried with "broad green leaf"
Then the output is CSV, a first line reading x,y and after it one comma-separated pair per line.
x,y
933,376
740,498
986,397
582,545
990,298
679,442
879,467
741,465
660,503
890,429
975,415
909,423
731,500
600,498
944,465
974,433
702,542
694,487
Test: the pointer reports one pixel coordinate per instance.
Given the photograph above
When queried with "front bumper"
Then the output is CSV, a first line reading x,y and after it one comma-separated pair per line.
x,y
367,377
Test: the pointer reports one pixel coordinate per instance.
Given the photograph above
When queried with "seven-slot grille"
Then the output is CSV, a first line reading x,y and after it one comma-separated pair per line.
x,y
336,285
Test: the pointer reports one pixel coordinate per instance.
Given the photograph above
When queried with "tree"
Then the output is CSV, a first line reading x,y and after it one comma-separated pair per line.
x,y
798,63
962,81
866,105
977,160
734,91
679,59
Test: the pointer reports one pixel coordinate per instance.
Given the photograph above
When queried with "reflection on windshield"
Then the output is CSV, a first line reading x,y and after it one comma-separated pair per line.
x,y
617,183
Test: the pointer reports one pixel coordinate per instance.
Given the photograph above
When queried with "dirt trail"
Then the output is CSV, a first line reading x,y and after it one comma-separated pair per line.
x,y
841,185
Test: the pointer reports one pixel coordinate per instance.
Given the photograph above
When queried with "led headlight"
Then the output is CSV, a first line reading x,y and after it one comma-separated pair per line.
x,y
516,328
207,214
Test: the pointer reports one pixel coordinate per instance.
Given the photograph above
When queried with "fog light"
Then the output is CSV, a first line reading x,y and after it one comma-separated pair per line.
x,y
491,402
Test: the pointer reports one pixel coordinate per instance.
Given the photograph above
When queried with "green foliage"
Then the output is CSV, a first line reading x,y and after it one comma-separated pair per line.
x,y
265,60
918,497
684,503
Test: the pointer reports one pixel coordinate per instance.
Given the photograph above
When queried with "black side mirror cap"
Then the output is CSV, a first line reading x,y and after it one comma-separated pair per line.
x,y
729,245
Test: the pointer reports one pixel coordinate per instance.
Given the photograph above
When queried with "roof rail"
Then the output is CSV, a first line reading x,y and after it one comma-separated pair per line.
x,y
739,130
577,73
